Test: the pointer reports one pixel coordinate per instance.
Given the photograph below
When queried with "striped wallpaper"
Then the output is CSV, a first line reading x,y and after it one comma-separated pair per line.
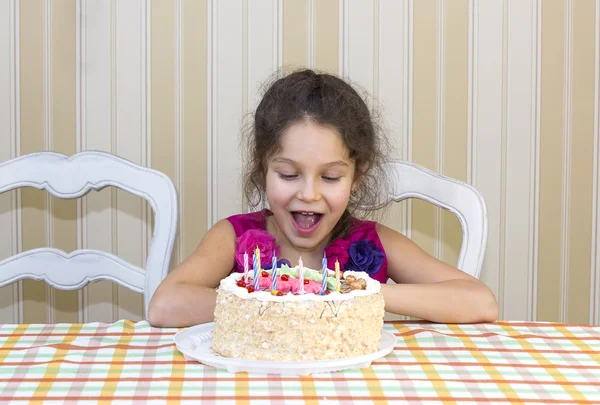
x,y
501,94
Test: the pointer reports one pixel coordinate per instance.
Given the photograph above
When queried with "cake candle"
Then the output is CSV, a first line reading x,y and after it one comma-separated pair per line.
x,y
274,273
246,268
337,274
256,267
301,275
324,265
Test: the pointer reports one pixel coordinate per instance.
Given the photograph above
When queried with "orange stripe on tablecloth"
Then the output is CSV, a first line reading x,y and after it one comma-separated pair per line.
x,y
293,379
297,398
438,384
10,343
242,388
116,367
502,385
373,383
552,369
48,378
177,376
307,384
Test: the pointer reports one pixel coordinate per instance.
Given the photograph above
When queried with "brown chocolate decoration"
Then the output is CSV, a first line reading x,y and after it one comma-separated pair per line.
x,y
359,284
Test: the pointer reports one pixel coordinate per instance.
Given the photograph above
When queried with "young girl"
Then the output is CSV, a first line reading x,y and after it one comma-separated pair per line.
x,y
316,157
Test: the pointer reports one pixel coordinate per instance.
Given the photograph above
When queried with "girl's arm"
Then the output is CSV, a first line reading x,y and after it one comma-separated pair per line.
x,y
430,289
187,296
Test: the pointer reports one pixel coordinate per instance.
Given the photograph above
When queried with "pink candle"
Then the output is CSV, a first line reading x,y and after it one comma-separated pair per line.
x,y
301,275
246,267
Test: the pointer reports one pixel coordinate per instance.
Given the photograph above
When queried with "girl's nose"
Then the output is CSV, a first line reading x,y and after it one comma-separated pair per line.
x,y
309,192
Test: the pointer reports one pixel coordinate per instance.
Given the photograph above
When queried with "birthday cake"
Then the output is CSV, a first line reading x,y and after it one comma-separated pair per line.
x,y
299,315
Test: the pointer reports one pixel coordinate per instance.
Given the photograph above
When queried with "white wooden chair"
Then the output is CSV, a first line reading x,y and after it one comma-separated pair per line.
x,y
409,180
73,177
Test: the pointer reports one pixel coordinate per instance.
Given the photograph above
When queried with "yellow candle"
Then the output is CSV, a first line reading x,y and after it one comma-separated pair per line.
x,y
257,251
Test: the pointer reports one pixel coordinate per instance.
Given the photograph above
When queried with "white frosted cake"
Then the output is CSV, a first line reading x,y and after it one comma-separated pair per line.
x,y
298,321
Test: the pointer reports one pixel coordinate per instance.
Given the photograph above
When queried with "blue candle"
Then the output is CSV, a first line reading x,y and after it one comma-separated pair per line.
x,y
324,286
274,273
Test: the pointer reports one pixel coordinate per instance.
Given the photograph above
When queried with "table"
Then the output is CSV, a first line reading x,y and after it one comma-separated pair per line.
x,y
502,362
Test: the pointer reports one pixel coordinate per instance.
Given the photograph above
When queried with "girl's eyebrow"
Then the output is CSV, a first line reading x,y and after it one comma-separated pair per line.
x,y
283,160
291,162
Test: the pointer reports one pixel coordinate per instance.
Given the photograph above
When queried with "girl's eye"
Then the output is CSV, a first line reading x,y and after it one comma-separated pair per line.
x,y
287,176
331,179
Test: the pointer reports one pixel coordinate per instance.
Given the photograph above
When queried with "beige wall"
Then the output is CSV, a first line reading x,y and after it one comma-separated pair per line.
x,y
502,94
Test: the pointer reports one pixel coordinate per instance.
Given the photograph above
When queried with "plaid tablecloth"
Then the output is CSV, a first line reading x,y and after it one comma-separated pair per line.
x,y
503,362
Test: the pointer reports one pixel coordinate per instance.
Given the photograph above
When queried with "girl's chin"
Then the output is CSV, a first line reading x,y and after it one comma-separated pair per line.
x,y
307,243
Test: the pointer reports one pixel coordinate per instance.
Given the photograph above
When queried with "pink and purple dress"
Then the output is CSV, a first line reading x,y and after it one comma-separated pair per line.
x,y
359,250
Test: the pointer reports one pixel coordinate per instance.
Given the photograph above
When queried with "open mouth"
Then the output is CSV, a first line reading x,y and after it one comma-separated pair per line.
x,y
306,221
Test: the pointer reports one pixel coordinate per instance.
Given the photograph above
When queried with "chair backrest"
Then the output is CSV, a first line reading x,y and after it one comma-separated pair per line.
x,y
73,177
409,180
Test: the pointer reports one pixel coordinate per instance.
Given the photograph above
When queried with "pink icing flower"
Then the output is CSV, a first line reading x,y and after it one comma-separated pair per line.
x,y
265,282
337,250
284,286
292,284
312,287
248,242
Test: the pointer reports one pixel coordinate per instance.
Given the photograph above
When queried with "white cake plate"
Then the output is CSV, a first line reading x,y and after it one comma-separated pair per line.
x,y
195,344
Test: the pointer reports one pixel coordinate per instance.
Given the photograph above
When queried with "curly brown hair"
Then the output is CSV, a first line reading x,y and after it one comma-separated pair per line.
x,y
326,100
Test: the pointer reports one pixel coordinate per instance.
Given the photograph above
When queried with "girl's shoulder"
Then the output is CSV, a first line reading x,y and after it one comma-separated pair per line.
x,y
360,249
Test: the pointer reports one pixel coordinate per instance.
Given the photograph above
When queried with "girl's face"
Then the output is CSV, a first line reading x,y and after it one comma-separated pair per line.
x,y
308,184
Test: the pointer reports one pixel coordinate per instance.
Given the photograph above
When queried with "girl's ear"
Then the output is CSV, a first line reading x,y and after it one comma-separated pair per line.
x,y
354,188
358,177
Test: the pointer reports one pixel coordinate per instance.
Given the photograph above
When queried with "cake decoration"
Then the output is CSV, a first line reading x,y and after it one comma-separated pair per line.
x,y
302,281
